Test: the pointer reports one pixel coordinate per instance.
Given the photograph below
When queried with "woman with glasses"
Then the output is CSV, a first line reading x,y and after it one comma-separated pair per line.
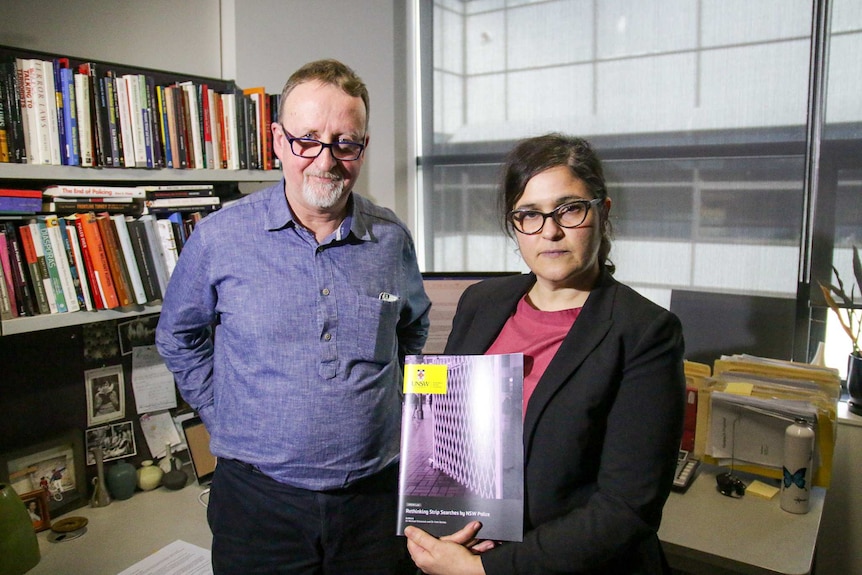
x,y
603,386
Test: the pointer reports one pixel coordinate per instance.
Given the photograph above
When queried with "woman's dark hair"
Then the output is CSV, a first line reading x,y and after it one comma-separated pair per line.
x,y
535,155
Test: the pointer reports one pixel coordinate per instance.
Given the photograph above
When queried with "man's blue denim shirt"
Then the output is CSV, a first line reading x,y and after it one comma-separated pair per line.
x,y
302,377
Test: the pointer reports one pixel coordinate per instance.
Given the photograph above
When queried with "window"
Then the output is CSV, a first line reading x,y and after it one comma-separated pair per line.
x,y
700,110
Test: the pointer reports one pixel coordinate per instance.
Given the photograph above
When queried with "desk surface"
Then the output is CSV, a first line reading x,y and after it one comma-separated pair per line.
x,y
702,531
124,532
705,532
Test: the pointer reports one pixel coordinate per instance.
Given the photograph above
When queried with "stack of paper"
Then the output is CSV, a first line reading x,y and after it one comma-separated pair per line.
x,y
745,407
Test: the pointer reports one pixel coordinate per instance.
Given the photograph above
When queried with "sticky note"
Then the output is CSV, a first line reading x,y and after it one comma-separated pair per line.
x,y
739,388
760,489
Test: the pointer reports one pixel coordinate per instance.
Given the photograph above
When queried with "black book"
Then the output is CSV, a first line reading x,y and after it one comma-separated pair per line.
x,y
14,126
144,257
24,296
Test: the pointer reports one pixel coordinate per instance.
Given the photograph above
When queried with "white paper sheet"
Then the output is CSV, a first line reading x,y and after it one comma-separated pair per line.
x,y
159,430
177,558
152,383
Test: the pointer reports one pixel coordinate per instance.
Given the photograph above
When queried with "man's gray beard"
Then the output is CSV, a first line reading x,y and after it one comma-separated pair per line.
x,y
323,196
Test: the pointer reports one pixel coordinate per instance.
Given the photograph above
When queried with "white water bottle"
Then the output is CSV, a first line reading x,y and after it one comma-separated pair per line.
x,y
798,458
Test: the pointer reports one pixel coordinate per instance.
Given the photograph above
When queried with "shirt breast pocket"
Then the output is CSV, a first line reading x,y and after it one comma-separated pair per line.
x,y
372,332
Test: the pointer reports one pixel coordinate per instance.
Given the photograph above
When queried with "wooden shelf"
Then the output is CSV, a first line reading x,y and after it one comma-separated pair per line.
x,y
132,176
56,320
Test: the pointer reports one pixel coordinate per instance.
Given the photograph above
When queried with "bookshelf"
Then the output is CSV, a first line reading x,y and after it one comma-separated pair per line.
x,y
36,176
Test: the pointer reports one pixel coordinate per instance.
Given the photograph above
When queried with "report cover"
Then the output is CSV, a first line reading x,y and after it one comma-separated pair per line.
x,y
461,445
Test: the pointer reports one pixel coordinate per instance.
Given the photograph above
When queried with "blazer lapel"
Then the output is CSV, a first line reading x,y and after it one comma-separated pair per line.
x,y
586,334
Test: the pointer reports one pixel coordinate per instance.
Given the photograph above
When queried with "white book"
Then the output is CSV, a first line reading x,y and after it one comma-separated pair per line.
x,y
169,244
58,244
82,104
96,191
133,89
183,202
28,112
53,125
39,134
72,232
229,105
119,221
195,121
156,251
215,118
125,119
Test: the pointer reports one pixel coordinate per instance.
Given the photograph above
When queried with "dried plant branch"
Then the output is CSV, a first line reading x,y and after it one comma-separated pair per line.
x,y
850,322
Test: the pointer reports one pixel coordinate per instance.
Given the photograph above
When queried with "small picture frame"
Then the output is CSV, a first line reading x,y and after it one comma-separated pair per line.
x,y
106,394
36,503
137,332
117,440
56,466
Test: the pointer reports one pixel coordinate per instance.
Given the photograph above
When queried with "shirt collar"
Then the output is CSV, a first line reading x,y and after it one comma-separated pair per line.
x,y
278,216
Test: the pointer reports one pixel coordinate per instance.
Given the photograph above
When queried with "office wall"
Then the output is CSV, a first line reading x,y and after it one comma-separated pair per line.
x,y
162,34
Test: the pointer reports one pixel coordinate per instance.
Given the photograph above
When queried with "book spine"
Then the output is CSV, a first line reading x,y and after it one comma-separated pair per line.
x,y
169,245
164,131
70,117
144,259
103,126
223,132
60,112
154,123
122,283
64,269
101,264
23,290
34,269
43,116
8,301
126,128
73,191
85,121
113,122
156,250
84,253
51,265
76,262
68,208
7,311
146,121
129,258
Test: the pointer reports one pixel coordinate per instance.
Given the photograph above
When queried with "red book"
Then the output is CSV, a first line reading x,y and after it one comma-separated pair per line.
x,y
78,221
99,259
113,251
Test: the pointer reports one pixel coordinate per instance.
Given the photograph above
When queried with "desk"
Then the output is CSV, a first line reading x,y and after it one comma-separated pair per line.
x,y
124,532
704,532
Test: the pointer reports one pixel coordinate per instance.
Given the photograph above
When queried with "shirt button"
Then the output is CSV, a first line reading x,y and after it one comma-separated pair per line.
x,y
327,336
325,291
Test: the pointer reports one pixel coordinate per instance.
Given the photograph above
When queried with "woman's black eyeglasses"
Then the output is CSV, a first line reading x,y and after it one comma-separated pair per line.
x,y
568,215
345,151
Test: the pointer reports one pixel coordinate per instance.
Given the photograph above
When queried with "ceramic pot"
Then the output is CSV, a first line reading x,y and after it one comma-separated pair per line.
x,y
854,383
122,478
149,475
19,548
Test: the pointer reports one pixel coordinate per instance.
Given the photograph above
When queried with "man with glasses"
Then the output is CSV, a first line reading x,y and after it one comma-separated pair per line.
x,y
312,295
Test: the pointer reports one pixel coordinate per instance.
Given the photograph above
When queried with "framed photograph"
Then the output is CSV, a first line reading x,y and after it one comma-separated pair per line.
x,y
139,331
56,466
36,503
106,394
117,440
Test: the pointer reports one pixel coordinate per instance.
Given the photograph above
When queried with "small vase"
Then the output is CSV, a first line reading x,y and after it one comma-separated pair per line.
x,y
122,479
149,475
19,548
854,383
100,497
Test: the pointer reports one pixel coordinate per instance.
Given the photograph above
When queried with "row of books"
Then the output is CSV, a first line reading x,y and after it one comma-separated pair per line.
x,y
53,113
93,260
